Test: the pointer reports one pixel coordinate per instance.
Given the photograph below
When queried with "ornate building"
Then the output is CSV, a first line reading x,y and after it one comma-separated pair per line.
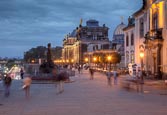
x,y
84,39
150,33
129,42
118,42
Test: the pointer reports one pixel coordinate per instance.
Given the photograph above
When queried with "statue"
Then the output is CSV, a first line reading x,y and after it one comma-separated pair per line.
x,y
47,66
49,55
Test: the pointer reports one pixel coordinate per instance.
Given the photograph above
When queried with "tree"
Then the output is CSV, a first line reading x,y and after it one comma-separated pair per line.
x,y
35,53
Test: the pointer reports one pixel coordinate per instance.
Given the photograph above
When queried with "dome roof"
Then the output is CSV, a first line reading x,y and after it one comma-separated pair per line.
x,y
119,29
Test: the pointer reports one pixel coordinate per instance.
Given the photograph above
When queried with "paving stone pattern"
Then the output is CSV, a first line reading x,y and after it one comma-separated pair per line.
x,y
83,97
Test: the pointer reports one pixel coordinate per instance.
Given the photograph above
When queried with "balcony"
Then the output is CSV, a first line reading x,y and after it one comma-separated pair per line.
x,y
154,34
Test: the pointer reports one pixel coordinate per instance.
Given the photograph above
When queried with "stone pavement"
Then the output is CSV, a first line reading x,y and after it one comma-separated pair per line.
x,y
83,97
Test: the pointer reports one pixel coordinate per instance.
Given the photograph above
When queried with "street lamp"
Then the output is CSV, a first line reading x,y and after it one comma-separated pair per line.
x,y
86,60
141,58
109,60
94,60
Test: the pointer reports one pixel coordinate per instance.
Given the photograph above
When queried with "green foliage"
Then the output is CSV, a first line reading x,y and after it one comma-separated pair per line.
x,y
35,53
40,52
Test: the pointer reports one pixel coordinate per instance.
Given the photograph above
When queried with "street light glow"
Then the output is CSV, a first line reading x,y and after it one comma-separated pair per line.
x,y
94,59
86,59
109,58
141,54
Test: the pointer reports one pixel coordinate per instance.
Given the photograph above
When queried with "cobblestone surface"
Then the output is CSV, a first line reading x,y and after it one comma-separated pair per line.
x,y
83,97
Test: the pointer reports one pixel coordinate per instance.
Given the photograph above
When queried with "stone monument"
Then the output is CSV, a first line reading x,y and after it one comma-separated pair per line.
x,y
47,66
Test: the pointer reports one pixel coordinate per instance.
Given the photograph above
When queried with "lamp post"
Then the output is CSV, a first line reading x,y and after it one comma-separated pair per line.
x,y
109,60
94,60
141,58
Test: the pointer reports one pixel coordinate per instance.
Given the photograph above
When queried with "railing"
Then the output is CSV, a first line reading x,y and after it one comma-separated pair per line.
x,y
154,34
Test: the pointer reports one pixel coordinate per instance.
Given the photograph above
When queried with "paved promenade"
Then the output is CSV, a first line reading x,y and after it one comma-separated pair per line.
x,y
83,97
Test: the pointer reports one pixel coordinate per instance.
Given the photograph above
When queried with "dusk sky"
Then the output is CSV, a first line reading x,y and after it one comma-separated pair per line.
x,y
25,24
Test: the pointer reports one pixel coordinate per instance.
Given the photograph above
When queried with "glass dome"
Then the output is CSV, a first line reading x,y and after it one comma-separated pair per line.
x,y
119,29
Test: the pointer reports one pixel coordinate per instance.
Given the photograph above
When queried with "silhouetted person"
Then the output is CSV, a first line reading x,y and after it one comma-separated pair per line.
x,y
21,73
62,76
79,69
91,73
108,74
7,84
115,75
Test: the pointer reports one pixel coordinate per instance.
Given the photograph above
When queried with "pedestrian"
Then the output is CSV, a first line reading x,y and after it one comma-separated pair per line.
x,y
79,69
140,76
21,73
91,71
62,76
7,84
140,81
108,74
26,85
115,75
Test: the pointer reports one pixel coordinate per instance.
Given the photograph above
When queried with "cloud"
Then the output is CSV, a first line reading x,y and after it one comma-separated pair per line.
x,y
31,23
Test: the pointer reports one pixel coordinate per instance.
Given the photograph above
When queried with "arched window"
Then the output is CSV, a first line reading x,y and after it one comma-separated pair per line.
x,y
132,39
141,27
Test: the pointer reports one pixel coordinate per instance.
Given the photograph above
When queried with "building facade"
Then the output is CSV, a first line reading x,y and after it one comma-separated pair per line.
x,y
129,42
150,33
87,38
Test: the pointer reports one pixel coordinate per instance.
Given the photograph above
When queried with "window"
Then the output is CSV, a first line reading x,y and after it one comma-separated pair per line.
x,y
127,40
132,56
127,57
132,39
141,27
155,21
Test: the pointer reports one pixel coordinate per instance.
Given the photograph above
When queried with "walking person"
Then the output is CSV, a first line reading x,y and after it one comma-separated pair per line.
x,y
7,84
115,75
21,73
108,74
91,71
79,69
62,76
26,85
140,81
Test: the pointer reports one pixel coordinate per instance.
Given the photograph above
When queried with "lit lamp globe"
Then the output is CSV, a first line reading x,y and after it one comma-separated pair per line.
x,y
94,59
86,59
141,54
109,58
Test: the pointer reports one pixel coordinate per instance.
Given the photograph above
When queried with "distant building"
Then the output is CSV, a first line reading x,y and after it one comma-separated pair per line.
x,y
118,42
87,38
